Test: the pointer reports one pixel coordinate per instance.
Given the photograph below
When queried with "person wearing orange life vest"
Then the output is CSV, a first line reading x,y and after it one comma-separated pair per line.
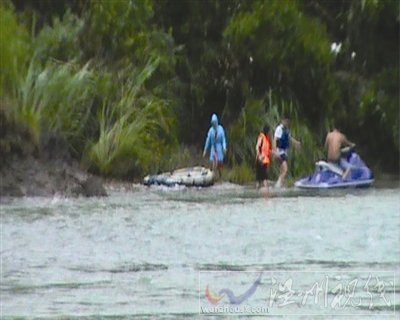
x,y
263,157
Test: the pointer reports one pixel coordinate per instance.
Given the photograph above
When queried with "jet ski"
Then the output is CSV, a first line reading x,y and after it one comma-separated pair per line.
x,y
328,175
196,176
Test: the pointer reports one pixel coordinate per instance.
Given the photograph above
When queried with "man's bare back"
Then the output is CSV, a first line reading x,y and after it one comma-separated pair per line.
x,y
333,143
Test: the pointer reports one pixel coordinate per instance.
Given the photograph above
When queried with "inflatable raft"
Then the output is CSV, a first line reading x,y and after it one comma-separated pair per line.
x,y
190,177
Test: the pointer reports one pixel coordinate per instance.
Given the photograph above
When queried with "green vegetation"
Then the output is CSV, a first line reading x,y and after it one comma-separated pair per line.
x,y
131,85
135,130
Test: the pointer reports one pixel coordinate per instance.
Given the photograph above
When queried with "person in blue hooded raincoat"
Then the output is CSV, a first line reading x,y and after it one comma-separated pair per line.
x,y
215,144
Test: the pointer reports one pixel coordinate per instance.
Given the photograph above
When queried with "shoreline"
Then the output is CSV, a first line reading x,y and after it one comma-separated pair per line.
x,y
46,169
31,177
38,177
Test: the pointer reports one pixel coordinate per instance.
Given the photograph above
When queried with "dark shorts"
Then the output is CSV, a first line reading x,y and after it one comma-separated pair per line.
x,y
261,171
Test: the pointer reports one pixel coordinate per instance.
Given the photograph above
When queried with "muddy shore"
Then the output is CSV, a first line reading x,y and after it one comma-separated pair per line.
x,y
44,169
38,177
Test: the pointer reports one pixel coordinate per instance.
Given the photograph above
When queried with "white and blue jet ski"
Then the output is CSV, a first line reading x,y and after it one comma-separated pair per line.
x,y
189,177
329,175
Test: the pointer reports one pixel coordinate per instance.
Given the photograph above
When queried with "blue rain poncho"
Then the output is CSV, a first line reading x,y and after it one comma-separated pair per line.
x,y
216,141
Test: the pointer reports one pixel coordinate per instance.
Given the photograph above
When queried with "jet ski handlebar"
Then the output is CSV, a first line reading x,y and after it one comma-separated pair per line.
x,y
346,150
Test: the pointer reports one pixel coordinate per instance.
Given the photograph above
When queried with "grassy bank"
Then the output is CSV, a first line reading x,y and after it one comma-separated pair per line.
x,y
129,89
115,118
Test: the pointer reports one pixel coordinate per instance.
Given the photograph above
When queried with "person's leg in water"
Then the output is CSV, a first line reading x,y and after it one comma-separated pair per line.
x,y
261,176
282,173
265,185
219,168
215,168
215,164
265,177
258,175
265,189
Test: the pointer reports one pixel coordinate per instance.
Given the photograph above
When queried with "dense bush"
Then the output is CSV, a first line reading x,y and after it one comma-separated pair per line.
x,y
128,83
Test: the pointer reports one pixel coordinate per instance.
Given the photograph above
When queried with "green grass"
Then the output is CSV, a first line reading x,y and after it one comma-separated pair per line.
x,y
240,174
15,49
106,114
135,130
56,98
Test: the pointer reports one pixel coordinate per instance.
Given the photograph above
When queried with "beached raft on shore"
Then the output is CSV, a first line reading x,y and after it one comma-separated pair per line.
x,y
190,177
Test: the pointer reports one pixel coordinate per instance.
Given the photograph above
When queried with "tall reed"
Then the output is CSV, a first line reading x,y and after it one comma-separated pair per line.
x,y
135,130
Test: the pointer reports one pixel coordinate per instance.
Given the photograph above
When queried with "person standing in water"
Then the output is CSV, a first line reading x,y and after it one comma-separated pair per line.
x,y
281,143
215,144
263,153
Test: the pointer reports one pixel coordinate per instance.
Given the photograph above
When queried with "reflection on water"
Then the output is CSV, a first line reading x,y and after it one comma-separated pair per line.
x,y
140,252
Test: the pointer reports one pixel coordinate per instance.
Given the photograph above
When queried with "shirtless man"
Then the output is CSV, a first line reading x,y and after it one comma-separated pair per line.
x,y
334,141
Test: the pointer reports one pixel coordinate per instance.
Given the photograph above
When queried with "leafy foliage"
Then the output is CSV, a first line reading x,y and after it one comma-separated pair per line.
x,y
275,46
60,40
130,83
14,49
133,130
57,98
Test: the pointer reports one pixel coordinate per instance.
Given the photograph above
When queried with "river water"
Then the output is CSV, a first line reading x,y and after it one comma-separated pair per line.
x,y
152,253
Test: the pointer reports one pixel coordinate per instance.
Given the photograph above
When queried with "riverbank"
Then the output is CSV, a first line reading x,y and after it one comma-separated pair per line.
x,y
37,177
45,167
42,168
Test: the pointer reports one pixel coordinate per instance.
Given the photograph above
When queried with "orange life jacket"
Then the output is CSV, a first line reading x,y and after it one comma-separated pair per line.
x,y
265,148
